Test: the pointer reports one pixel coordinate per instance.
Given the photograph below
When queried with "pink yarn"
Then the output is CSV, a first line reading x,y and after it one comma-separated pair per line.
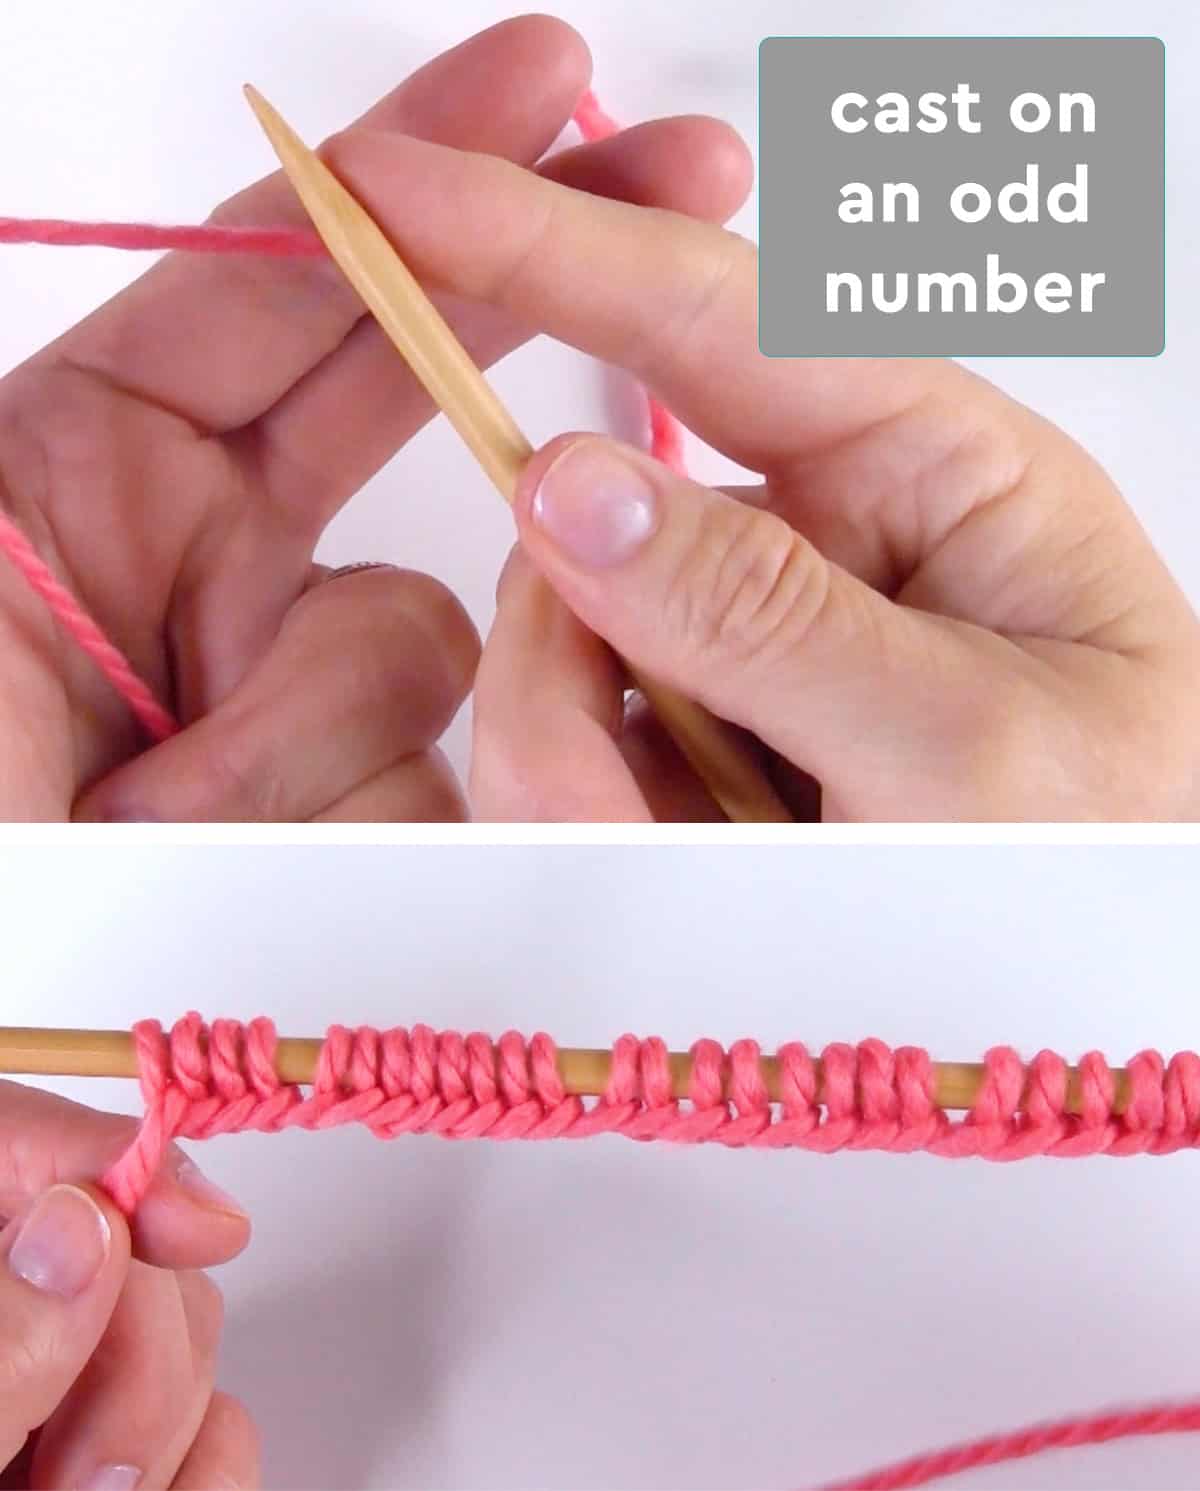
x,y
157,722
208,238
199,1081
666,435
1164,1418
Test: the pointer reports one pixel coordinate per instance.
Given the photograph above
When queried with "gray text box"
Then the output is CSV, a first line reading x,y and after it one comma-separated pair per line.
x,y
805,161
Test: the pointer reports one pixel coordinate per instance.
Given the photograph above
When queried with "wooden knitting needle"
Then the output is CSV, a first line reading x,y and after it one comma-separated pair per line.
x,y
110,1053
723,760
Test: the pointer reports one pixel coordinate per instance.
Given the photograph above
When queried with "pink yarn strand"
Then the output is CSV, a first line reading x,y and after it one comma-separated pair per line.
x,y
157,722
207,238
665,432
1165,1418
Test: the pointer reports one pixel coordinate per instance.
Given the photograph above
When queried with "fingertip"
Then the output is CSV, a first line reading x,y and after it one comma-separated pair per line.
x,y
120,1238
183,1221
226,1451
108,801
168,1235
186,1220
449,621
405,628
727,164
546,65
118,1242
691,164
562,49
233,1419
595,503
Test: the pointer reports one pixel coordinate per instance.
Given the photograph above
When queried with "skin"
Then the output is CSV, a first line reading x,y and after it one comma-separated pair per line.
x,y
180,486
120,1373
934,606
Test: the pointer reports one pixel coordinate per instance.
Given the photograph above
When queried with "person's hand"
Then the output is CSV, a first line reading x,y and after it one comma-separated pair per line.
x,y
176,457
936,606
108,1342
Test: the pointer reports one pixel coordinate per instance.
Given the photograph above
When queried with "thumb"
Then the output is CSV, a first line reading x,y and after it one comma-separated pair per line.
x,y
731,606
62,1265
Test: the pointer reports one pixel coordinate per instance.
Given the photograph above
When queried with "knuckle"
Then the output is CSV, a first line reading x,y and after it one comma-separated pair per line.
x,y
709,265
533,242
25,1164
245,775
750,589
26,1357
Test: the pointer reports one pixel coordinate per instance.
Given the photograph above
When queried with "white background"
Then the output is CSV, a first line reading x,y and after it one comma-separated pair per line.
x,y
613,1316
133,109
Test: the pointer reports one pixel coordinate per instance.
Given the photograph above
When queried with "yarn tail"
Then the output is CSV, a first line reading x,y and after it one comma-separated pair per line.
x,y
157,722
666,433
921,1470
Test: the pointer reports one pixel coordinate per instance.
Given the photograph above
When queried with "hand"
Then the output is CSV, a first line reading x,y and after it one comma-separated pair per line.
x,y
935,606
176,457
108,1343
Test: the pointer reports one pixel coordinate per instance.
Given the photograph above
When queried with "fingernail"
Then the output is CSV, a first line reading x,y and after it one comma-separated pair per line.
x,y
62,1244
202,1190
113,1478
595,505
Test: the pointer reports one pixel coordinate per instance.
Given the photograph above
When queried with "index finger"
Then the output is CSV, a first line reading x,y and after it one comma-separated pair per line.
x,y
219,340
670,299
183,1222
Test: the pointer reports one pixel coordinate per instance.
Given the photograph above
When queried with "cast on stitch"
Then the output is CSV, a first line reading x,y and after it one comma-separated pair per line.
x,y
199,1081
665,432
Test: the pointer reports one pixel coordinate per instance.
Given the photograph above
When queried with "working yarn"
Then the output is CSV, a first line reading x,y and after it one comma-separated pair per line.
x,y
199,1081
1103,1428
665,433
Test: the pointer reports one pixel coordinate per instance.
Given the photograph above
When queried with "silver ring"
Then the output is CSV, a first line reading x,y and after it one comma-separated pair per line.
x,y
357,568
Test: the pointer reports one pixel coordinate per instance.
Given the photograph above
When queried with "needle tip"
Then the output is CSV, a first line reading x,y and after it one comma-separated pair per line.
x,y
286,143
